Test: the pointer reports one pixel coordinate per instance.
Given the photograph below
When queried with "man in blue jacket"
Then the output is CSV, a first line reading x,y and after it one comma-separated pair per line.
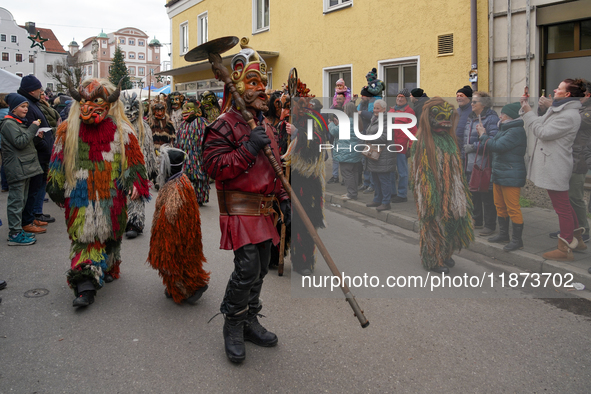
x,y
31,89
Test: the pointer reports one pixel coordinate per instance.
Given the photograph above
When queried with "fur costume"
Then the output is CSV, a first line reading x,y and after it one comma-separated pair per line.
x,y
163,131
189,139
176,250
440,190
136,209
307,179
93,168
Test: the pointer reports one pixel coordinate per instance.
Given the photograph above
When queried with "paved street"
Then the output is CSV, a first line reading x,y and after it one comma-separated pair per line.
x,y
134,340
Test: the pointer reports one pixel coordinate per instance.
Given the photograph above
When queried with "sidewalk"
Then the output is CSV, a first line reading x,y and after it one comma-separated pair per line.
x,y
539,222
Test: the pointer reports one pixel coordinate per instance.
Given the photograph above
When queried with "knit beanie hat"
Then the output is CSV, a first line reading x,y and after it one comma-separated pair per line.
x,y
366,93
14,100
404,92
467,90
511,110
30,83
341,80
417,92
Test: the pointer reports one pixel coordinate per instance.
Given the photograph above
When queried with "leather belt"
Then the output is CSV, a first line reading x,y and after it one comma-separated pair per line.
x,y
237,203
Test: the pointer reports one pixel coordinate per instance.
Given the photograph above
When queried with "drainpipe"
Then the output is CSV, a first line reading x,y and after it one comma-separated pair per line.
x,y
474,40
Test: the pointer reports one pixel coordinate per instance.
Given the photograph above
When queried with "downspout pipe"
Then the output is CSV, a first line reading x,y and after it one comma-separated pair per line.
x,y
474,39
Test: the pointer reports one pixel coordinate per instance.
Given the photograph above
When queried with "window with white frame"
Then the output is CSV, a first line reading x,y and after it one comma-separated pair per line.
x,y
50,86
202,25
140,56
399,74
19,75
89,70
140,43
260,15
3,37
131,70
184,37
122,41
13,39
31,58
132,55
130,41
49,68
141,71
5,56
19,57
333,5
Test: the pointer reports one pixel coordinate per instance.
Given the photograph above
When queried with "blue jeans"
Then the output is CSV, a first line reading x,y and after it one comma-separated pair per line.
x,y
402,167
38,205
367,179
383,187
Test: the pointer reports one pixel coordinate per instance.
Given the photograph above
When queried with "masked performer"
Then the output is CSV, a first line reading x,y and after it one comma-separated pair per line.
x,y
163,131
189,139
174,105
307,178
440,190
136,209
209,106
246,185
96,162
176,250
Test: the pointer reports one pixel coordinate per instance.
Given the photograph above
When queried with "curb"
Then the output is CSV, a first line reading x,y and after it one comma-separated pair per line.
x,y
524,260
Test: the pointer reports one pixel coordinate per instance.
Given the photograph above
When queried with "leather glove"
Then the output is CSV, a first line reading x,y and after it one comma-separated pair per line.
x,y
469,148
258,140
285,207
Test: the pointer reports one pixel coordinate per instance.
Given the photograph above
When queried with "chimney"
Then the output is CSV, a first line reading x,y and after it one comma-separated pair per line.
x,y
30,26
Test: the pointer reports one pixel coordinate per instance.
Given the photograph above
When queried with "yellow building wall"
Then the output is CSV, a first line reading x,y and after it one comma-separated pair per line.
x,y
361,35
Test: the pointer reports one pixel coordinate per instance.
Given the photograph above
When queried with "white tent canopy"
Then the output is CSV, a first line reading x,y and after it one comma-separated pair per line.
x,y
9,82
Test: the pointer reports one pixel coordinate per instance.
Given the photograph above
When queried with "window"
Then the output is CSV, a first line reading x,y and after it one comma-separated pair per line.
x,y
140,56
123,54
131,70
140,43
105,42
141,71
270,79
89,70
333,5
110,68
184,38
131,41
3,37
12,38
19,75
202,25
19,57
332,75
398,74
131,55
568,40
122,41
260,16
156,57
104,52
31,58
49,68
59,69
50,86
5,56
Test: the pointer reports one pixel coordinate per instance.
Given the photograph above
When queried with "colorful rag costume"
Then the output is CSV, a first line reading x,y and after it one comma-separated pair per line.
x,y
96,162
442,196
136,209
307,179
189,139
176,250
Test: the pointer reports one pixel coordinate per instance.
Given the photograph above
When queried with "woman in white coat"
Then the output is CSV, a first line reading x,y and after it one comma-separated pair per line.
x,y
551,162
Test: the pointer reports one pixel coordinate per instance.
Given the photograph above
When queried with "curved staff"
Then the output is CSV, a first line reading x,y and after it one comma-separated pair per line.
x,y
211,50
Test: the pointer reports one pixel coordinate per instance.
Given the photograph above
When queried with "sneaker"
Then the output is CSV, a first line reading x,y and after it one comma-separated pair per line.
x,y
369,190
397,199
20,239
362,187
31,228
45,218
333,180
557,233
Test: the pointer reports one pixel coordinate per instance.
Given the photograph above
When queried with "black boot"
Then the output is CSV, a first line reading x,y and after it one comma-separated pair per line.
x,y
503,236
84,299
516,241
196,295
234,337
257,334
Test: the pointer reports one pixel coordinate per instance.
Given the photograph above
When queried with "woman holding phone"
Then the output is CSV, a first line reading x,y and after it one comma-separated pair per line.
x,y
485,213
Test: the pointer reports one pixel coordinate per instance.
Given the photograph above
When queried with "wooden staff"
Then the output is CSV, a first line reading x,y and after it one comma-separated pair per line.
x,y
211,50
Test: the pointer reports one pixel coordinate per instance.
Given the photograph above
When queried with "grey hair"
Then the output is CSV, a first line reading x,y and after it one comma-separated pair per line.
x,y
165,166
382,103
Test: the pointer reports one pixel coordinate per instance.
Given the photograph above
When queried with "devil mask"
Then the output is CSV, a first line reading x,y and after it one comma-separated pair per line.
x,y
95,101
132,106
191,109
440,117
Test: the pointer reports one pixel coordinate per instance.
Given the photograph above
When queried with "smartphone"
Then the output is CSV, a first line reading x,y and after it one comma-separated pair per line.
x,y
526,91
